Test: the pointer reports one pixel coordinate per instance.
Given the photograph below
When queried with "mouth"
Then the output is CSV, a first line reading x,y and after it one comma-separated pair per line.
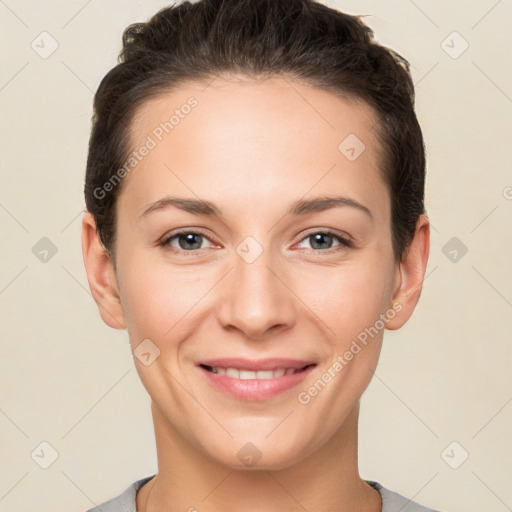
x,y
237,373
254,380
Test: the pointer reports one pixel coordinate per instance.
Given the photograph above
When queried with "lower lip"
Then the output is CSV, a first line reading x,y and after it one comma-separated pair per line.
x,y
255,389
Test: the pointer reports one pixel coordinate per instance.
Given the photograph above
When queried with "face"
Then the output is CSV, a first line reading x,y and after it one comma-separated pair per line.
x,y
260,277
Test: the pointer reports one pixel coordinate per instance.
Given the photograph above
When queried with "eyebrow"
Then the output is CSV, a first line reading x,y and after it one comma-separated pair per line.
x,y
301,207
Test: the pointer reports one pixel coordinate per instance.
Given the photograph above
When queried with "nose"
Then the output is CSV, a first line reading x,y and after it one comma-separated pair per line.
x,y
256,298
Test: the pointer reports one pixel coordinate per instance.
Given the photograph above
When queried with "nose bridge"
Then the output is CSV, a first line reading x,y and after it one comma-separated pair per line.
x,y
257,299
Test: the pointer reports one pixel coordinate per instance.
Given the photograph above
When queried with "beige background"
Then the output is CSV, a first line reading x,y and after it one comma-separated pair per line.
x,y
69,380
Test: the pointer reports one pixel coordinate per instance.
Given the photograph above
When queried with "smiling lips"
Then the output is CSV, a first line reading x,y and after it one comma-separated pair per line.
x,y
255,380
236,373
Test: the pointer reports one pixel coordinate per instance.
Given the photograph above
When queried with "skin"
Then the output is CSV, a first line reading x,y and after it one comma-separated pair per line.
x,y
253,147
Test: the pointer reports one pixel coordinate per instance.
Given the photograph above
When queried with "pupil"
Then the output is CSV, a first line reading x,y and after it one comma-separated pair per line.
x,y
190,240
319,236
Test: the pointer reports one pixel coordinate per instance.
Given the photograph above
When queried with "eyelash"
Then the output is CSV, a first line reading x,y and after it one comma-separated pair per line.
x,y
345,243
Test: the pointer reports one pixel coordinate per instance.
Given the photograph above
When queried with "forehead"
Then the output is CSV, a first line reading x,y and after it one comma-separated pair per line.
x,y
255,140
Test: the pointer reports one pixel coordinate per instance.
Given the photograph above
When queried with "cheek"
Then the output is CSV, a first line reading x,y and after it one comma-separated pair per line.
x,y
159,299
347,299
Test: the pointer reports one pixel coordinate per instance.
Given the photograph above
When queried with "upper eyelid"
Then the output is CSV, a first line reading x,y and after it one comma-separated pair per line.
x,y
195,231
344,239
344,236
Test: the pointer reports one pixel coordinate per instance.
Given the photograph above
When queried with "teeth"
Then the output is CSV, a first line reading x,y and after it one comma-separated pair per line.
x,y
263,374
235,373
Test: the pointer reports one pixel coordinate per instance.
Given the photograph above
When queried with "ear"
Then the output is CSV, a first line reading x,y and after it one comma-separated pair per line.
x,y
101,275
410,274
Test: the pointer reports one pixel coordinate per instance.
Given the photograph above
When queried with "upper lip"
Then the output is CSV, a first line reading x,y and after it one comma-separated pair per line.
x,y
256,365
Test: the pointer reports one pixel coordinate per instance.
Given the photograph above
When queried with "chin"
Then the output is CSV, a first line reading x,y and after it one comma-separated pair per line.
x,y
258,456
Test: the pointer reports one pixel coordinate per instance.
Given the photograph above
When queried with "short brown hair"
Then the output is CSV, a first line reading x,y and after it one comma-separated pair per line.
x,y
302,39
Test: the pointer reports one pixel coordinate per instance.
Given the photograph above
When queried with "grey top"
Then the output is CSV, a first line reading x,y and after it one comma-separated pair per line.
x,y
391,501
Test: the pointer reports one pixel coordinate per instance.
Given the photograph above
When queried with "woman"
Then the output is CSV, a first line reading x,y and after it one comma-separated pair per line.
x,y
255,220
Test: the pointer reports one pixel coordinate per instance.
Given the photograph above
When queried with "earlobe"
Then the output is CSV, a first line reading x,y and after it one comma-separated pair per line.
x,y
101,275
412,272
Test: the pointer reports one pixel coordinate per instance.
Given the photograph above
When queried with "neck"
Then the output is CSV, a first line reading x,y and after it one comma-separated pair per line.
x,y
190,480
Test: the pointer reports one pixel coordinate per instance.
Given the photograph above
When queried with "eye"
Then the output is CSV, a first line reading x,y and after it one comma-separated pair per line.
x,y
188,241
323,240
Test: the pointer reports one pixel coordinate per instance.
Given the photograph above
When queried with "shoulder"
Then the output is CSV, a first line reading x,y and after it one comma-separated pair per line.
x,y
125,502
394,502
